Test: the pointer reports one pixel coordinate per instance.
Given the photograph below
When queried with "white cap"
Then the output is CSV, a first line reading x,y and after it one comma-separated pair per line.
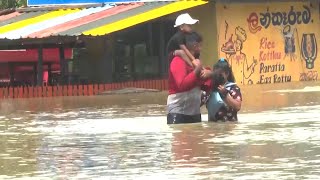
x,y
185,19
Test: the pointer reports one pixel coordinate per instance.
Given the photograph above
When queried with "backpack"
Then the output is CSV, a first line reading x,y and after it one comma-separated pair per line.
x,y
215,102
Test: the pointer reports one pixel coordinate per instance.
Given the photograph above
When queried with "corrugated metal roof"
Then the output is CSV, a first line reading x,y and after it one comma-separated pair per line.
x,y
85,21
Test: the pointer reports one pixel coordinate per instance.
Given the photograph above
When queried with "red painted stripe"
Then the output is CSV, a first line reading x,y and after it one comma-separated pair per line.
x,y
95,89
1,93
30,90
9,16
20,91
90,87
44,91
80,90
65,90
107,87
70,90
15,93
101,88
40,92
25,92
6,92
84,20
60,91
55,91
85,90
49,91
11,92
75,90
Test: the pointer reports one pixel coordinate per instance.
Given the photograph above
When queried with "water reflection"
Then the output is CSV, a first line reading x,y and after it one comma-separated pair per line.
x,y
91,147
98,138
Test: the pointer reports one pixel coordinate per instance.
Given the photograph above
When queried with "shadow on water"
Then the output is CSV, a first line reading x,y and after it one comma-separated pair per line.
x,y
126,137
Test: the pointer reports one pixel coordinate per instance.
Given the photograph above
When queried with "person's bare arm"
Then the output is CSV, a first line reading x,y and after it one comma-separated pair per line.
x,y
234,103
188,53
184,56
206,73
229,100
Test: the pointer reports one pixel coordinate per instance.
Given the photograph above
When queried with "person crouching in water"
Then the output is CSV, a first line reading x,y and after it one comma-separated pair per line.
x,y
225,99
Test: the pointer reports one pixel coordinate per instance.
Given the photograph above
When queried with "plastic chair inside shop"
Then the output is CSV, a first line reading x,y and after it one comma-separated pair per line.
x,y
45,78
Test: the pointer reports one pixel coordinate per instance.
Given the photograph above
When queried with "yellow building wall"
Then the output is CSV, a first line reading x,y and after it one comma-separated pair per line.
x,y
207,27
270,42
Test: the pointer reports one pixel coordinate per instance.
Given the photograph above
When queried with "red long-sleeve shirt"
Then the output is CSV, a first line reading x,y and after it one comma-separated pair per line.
x,y
183,78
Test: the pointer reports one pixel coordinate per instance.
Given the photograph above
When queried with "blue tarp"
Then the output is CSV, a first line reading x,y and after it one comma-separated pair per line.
x,y
68,2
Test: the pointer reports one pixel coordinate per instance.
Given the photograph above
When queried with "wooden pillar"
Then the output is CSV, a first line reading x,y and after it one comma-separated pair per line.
x,y
132,63
109,58
49,74
35,74
11,72
150,38
150,46
163,64
62,65
40,67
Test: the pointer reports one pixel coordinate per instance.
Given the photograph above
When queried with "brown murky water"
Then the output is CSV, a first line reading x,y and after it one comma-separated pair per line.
x,y
126,137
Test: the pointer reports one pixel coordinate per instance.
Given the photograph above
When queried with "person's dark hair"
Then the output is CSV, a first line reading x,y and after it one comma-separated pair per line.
x,y
218,79
192,39
223,66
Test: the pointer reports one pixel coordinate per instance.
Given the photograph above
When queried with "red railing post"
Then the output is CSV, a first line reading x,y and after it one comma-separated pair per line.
x,y
49,91
85,90
95,89
90,90
1,93
69,90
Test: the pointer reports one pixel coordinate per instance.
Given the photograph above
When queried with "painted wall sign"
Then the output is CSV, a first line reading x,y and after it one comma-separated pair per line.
x,y
71,2
270,43
291,17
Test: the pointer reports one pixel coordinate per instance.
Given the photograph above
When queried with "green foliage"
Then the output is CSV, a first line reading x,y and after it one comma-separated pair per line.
x,y
6,4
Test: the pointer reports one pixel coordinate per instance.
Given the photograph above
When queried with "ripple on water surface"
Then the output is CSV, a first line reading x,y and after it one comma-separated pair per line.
x,y
92,143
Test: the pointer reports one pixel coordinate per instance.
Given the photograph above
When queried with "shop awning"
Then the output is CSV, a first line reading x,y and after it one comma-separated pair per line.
x,y
93,21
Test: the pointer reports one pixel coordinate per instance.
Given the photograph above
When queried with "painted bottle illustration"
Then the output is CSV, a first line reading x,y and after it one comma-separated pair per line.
x,y
309,49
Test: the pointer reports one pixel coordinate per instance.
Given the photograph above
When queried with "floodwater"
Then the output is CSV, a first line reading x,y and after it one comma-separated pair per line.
x,y
126,137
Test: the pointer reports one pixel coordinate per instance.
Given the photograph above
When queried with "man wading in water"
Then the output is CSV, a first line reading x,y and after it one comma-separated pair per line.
x,y
185,84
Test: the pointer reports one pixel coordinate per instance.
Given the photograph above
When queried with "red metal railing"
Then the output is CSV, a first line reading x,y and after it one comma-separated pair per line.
x,y
78,90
